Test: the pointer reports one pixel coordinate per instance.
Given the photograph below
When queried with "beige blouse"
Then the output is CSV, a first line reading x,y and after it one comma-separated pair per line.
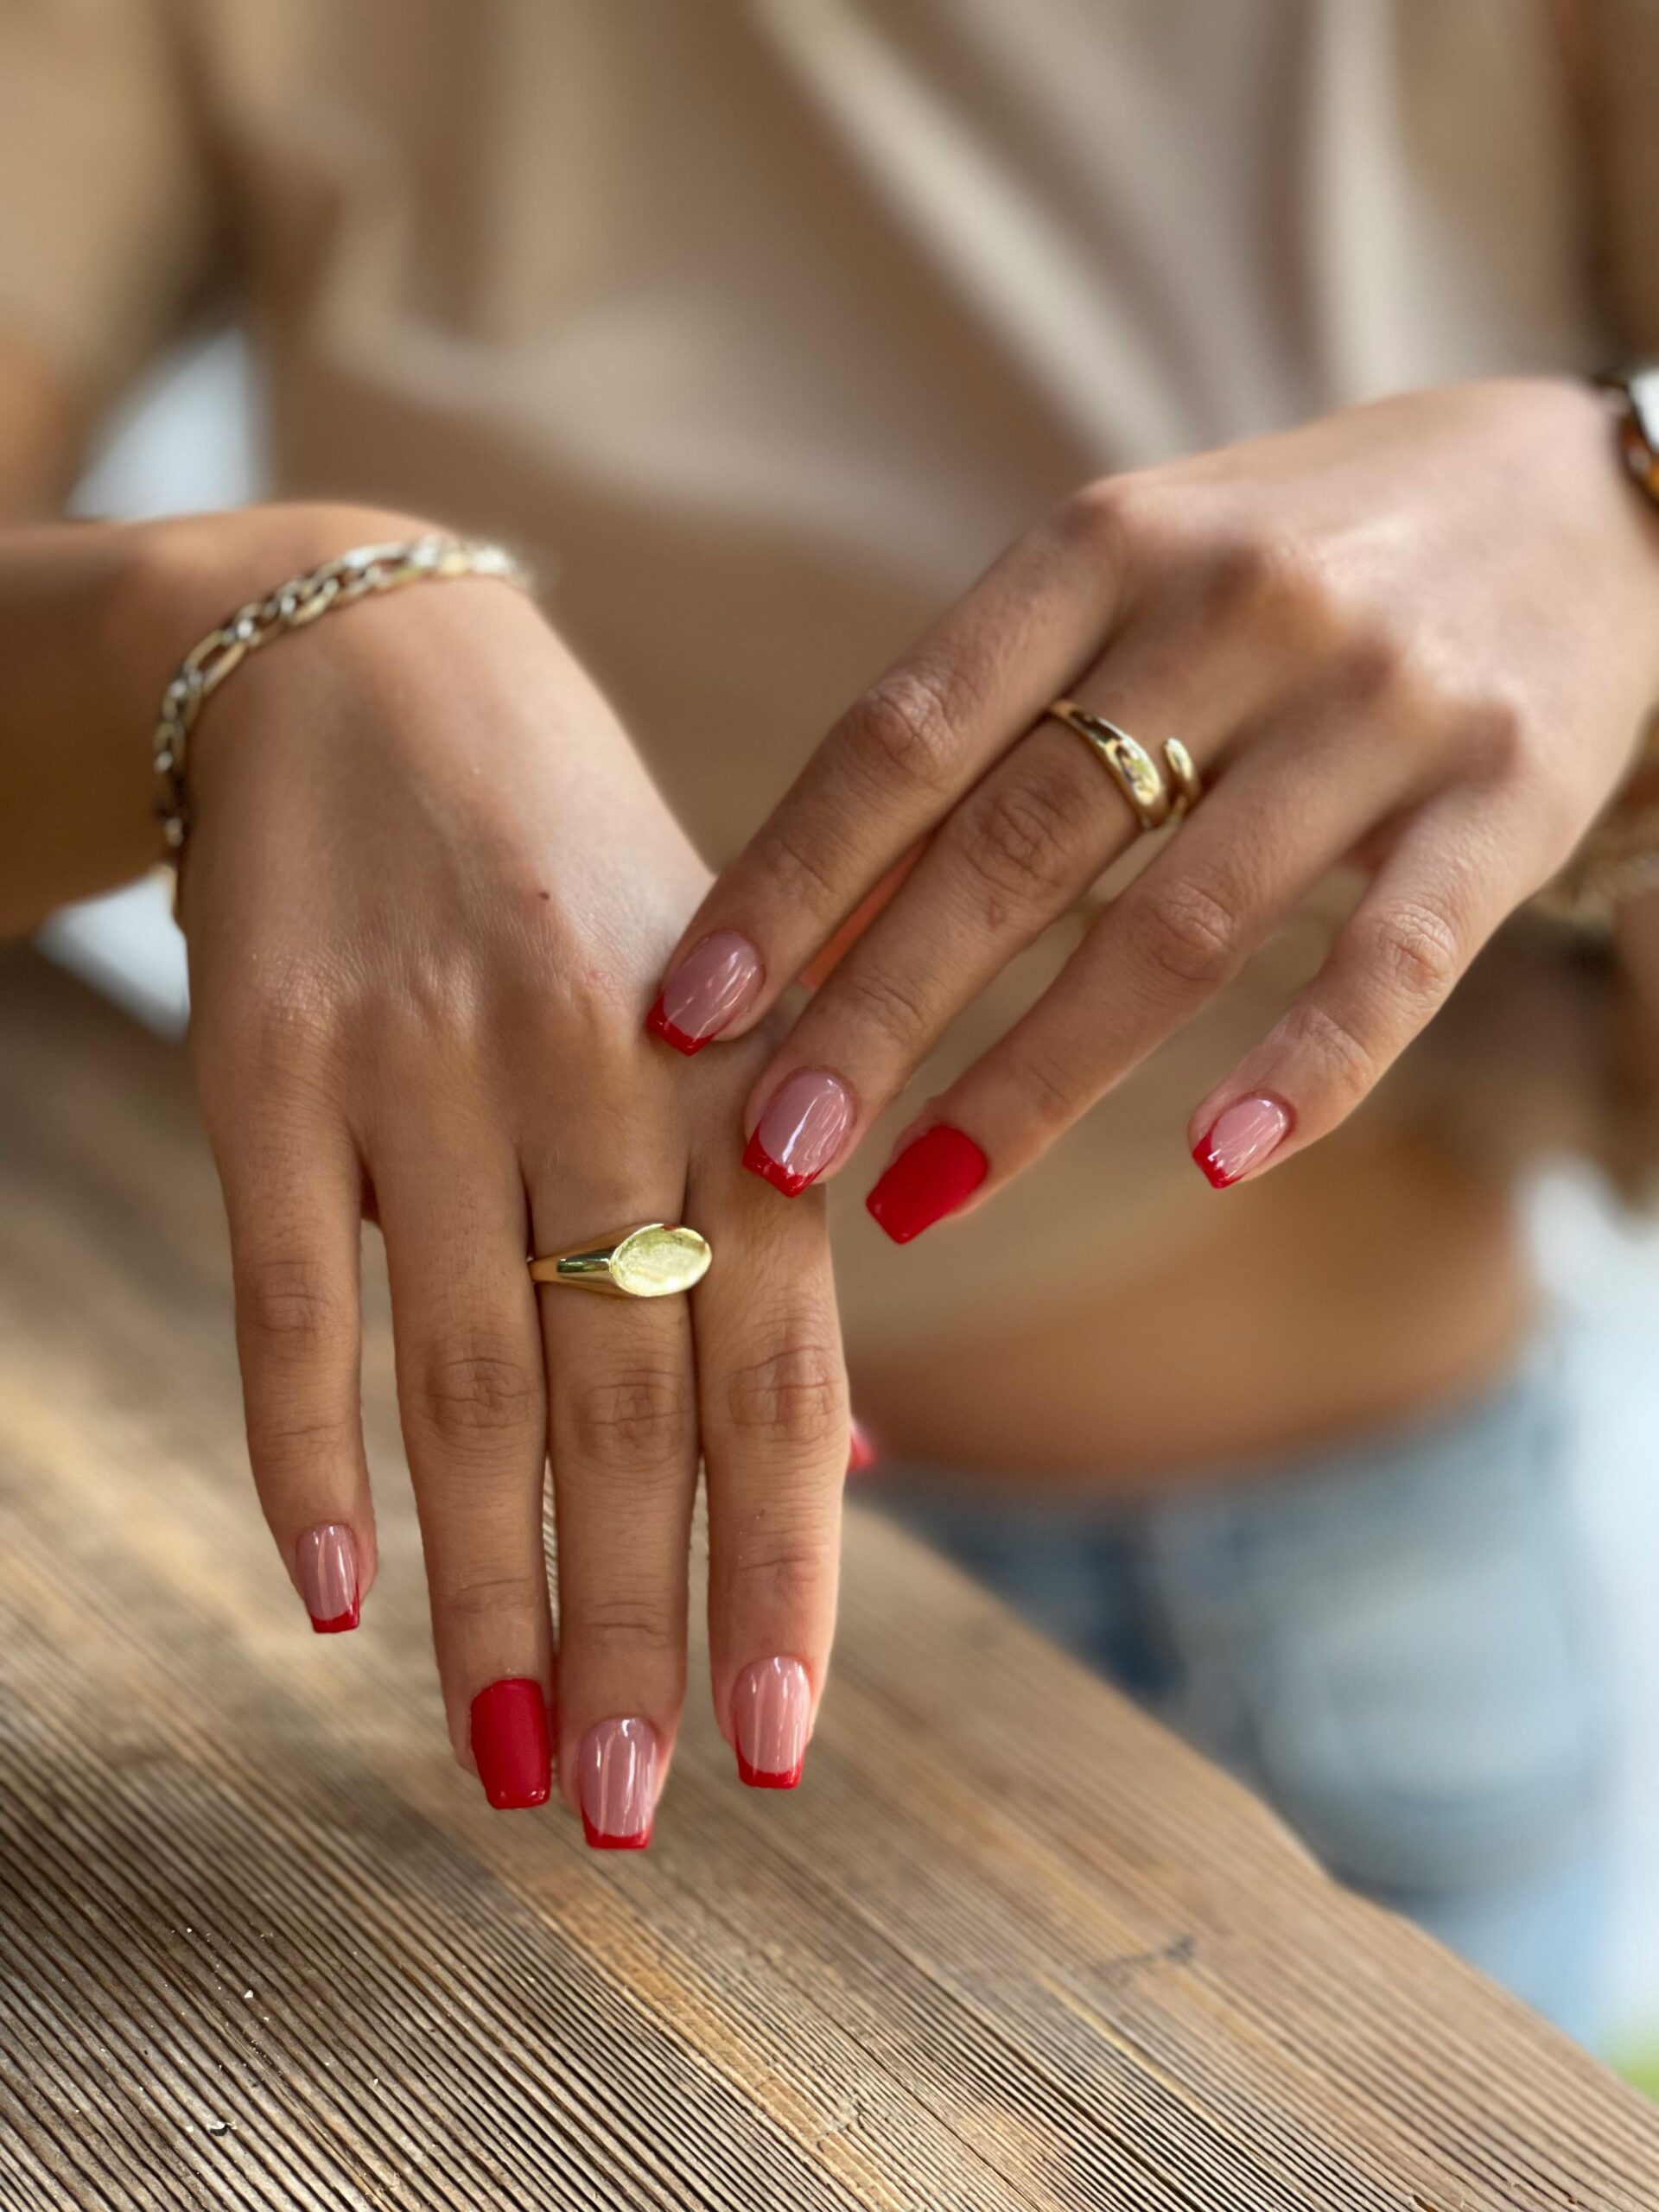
x,y
764,323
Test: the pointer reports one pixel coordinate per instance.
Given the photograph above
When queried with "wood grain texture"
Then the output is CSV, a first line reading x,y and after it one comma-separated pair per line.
x,y
261,1945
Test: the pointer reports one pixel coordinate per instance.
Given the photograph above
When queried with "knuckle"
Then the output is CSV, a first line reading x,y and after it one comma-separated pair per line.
x,y
1374,665
1494,736
1100,521
784,1570
632,1623
639,1421
902,734
470,1391
794,1397
1256,576
1019,838
296,1441
1183,935
802,876
1053,1090
880,1002
492,1596
290,1309
1415,946
1349,1063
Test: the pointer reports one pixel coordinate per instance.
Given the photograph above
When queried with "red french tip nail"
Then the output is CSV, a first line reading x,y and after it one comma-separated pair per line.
x,y
340,1621
1241,1138
659,1026
756,1777
759,1161
510,1745
1215,1172
932,1177
597,1840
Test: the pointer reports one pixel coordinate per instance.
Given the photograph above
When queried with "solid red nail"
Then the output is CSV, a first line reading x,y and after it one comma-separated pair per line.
x,y
932,1177
510,1746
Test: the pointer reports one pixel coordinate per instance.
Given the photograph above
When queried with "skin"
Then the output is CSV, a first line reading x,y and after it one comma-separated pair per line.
x,y
1431,620
418,990
426,886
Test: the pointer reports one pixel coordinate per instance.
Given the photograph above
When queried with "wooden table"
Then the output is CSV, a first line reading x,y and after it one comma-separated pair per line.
x,y
261,1945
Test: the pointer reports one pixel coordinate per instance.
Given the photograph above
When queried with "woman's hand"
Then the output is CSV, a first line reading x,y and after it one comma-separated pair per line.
x,y
427,889
1423,634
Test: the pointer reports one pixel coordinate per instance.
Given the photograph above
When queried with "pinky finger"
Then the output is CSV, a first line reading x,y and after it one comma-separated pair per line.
x,y
293,1217
1436,900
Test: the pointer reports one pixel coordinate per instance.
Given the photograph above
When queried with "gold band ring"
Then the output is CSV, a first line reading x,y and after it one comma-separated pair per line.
x,y
654,1260
1184,774
1132,769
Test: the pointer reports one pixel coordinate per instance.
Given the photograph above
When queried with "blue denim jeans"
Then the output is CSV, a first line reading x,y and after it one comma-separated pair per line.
x,y
1394,1641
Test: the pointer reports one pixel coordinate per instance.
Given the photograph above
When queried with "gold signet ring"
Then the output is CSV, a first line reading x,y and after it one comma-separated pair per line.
x,y
654,1260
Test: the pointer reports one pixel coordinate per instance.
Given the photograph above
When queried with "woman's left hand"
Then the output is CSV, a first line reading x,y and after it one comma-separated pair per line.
x,y
1423,634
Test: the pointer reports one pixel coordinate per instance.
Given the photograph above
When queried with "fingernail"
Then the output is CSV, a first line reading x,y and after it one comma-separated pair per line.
x,y
616,1782
771,1711
801,1131
717,982
509,1743
931,1178
860,1450
325,1563
1241,1138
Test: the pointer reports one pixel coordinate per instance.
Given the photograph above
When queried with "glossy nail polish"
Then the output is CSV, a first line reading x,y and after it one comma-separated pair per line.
x,y
616,1785
325,1564
860,1450
510,1744
801,1131
1241,1138
937,1173
772,1714
714,984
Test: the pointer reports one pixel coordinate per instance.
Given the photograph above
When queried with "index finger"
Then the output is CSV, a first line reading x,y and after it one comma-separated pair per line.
x,y
892,768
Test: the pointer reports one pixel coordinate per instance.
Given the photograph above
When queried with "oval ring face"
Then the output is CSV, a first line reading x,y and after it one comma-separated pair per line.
x,y
657,1262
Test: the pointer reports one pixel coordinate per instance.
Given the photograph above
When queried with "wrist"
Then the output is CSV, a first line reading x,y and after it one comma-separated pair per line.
x,y
173,581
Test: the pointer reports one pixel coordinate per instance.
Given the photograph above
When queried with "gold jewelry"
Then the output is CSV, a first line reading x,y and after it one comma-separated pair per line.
x,y
353,575
1184,774
1636,390
1618,859
654,1260
1131,766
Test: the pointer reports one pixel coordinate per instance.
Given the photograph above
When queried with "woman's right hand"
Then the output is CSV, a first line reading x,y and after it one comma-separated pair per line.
x,y
427,892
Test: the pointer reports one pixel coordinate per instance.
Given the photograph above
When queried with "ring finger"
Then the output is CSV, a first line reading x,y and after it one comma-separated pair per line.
x,y
623,1427
1282,814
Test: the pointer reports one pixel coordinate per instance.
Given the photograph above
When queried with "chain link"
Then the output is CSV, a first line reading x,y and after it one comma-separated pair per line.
x,y
357,574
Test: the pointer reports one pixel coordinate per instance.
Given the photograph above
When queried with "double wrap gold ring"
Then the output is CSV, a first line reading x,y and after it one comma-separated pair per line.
x,y
657,1259
1153,801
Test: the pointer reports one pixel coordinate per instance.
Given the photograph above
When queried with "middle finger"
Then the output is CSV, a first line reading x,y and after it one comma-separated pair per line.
x,y
1015,855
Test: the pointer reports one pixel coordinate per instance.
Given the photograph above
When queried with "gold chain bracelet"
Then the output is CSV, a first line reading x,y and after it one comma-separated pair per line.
x,y
357,574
